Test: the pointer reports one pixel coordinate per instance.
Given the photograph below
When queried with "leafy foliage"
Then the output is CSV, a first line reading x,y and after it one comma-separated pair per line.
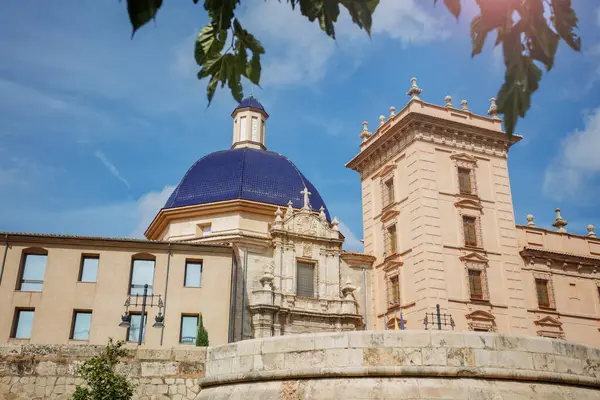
x,y
202,335
102,381
528,40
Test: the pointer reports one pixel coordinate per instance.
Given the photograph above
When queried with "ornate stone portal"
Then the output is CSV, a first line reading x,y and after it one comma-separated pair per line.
x,y
304,237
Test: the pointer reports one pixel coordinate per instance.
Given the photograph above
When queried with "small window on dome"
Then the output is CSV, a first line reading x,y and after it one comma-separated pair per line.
x,y
203,230
254,129
243,135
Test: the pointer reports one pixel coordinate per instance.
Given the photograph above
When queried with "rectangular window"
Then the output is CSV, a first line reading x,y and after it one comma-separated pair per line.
x,y
22,323
391,240
189,328
243,135
541,287
464,181
89,269
470,230
475,284
133,331
254,127
142,272
32,274
395,289
80,329
193,274
305,276
388,192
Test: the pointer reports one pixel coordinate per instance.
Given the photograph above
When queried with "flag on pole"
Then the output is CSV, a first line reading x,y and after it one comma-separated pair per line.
x,y
401,321
395,321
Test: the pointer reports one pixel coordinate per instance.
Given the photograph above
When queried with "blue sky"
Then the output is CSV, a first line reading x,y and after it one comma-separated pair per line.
x,y
96,129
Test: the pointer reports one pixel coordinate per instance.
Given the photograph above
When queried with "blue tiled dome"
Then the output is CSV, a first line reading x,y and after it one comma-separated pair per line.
x,y
248,174
250,102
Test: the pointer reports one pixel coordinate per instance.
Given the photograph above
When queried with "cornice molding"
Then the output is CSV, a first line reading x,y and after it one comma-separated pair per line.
x,y
167,215
415,126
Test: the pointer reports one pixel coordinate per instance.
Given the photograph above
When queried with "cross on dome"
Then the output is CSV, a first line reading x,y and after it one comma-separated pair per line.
x,y
306,193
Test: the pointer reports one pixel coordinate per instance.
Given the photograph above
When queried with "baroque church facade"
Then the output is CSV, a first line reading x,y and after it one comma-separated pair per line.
x,y
246,243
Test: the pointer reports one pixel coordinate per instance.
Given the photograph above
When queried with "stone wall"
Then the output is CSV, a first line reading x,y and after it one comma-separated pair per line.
x,y
402,365
350,365
48,372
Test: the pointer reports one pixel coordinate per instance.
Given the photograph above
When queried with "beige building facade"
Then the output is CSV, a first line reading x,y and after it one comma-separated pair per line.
x,y
69,289
247,242
438,217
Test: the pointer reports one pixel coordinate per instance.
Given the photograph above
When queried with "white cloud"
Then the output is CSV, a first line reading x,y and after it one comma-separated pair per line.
x,y
148,206
352,242
111,167
407,22
298,52
578,162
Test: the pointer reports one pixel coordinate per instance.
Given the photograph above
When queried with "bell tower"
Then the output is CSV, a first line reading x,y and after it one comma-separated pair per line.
x,y
249,125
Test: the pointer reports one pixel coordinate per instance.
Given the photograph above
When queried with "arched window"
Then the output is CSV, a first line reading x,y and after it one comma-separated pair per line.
x,y
32,270
142,273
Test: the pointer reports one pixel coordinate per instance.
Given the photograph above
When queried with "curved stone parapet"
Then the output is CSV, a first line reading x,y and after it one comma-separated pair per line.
x,y
402,365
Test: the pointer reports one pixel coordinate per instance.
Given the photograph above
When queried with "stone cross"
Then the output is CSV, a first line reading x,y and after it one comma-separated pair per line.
x,y
306,193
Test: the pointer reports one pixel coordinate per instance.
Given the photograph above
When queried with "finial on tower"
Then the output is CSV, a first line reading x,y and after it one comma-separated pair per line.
x,y
278,215
465,105
559,223
493,111
381,120
306,193
392,112
414,90
334,224
530,221
590,229
365,134
448,100
290,210
322,215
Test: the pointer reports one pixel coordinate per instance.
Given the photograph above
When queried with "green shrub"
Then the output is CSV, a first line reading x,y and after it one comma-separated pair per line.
x,y
102,382
202,335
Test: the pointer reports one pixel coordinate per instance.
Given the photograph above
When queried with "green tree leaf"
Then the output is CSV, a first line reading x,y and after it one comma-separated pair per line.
x,y
478,35
141,12
361,12
565,22
453,6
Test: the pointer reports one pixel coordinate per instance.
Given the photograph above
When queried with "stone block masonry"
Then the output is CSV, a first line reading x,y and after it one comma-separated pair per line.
x,y
48,372
402,365
346,365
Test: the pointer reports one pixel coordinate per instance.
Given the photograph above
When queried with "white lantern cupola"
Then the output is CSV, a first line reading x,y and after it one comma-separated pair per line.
x,y
249,125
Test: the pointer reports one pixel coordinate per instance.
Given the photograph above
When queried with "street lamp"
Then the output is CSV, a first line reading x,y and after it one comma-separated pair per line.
x,y
126,317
